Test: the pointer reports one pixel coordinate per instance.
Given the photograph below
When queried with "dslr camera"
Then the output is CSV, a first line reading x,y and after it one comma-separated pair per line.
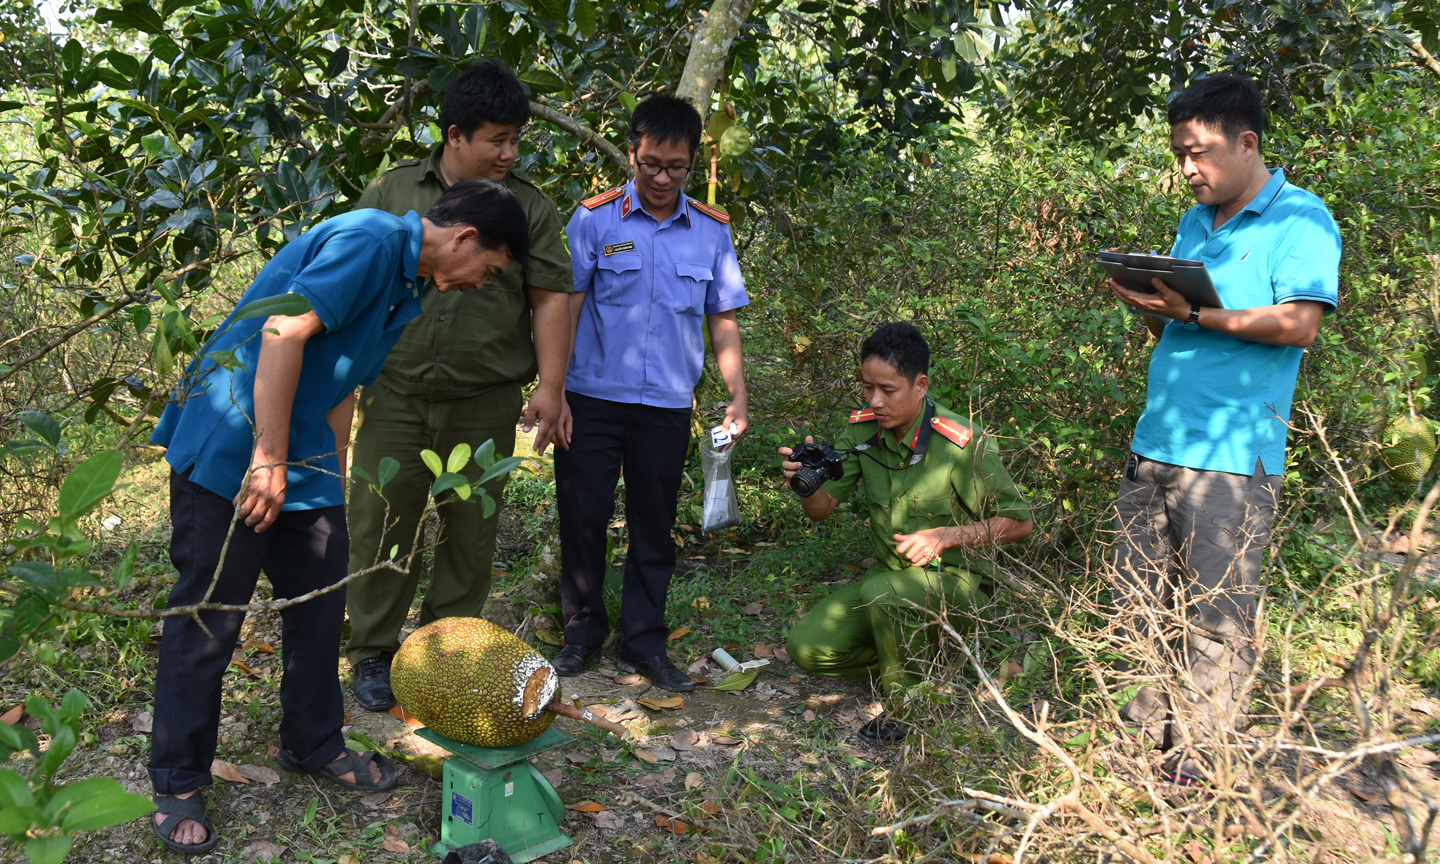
x,y
818,463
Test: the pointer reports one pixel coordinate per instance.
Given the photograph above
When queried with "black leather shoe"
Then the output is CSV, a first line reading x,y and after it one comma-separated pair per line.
x,y
574,660
661,672
882,731
372,683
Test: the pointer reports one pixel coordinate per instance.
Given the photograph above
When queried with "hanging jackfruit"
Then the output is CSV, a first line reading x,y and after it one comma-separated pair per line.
x,y
1408,447
474,681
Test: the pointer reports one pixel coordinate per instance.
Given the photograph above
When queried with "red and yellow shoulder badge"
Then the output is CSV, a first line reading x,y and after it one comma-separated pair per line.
x,y
603,198
713,212
862,415
958,434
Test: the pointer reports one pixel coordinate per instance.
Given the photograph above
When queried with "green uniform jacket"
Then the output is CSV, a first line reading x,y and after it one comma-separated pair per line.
x,y
468,341
954,484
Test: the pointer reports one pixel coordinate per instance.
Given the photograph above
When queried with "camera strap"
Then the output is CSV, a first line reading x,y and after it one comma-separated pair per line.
x,y
920,443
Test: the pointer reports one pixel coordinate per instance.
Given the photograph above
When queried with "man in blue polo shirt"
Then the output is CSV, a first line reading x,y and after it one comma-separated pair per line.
x,y
256,437
1201,485
652,268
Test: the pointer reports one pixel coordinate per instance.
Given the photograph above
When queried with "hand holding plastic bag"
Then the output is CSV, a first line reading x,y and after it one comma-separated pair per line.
x,y
722,509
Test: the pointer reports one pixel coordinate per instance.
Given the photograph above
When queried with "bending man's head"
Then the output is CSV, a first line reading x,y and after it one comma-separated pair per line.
x,y
476,230
1216,128
895,374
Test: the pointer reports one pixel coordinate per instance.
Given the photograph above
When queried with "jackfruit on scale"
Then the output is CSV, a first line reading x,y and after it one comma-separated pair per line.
x,y
1409,447
474,681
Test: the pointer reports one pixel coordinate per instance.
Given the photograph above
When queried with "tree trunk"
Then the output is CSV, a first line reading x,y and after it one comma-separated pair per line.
x,y
708,50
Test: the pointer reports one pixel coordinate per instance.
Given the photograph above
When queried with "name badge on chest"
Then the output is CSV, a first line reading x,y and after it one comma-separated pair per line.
x,y
614,248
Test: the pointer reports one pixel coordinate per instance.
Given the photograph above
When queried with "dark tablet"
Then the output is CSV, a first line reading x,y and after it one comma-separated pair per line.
x,y
1189,278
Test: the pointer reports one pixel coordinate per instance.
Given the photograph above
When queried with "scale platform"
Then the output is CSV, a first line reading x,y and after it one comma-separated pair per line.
x,y
495,793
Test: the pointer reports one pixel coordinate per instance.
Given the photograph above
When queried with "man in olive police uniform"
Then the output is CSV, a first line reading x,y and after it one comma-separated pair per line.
x,y
455,377
937,491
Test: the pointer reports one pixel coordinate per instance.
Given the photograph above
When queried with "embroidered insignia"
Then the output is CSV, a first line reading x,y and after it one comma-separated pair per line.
x,y
713,212
625,207
958,435
612,248
603,198
862,415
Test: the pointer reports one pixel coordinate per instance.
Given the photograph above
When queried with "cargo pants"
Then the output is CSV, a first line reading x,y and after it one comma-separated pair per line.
x,y
400,427
1188,551
866,628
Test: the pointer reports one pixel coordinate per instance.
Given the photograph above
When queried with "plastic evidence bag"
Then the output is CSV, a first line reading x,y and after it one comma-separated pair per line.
x,y
722,510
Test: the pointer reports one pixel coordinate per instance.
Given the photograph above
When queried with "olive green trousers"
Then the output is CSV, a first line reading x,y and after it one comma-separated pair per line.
x,y
866,629
400,427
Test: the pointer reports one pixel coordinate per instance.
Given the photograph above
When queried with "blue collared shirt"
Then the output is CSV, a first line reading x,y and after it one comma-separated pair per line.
x,y
358,271
1215,402
648,286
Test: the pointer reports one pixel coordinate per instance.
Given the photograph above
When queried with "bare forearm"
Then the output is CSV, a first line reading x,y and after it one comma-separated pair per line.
x,y
340,419
553,331
1293,324
819,506
725,339
576,301
995,531
277,375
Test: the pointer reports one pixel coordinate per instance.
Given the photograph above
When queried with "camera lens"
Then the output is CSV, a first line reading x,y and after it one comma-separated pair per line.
x,y
806,482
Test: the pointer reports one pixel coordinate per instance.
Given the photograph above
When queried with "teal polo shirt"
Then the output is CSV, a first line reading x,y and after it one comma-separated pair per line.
x,y
358,271
1215,402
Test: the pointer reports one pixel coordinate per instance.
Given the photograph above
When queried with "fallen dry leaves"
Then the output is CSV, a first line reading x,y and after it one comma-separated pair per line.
x,y
678,634
256,644
674,826
694,780
222,770
586,807
674,703
752,608
628,680
259,773
763,650
13,715
685,739
404,716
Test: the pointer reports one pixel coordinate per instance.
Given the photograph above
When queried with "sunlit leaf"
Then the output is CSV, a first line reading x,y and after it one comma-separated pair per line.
x,y
284,305
89,483
458,457
432,461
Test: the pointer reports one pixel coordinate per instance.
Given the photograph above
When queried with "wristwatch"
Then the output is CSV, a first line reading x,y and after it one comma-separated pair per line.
x,y
1193,322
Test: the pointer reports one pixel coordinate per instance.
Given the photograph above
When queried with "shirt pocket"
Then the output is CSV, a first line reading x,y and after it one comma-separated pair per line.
x,y
932,511
691,284
617,280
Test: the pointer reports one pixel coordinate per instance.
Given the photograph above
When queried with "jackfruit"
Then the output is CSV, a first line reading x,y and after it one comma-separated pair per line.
x,y
474,681
1409,447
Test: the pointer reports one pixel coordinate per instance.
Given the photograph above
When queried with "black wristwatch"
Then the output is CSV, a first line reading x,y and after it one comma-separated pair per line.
x,y
1193,322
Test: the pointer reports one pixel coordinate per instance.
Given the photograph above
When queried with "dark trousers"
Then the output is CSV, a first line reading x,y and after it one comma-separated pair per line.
x,y
1188,553
304,550
650,443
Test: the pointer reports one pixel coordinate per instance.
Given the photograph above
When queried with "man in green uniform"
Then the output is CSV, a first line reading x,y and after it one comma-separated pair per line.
x,y
455,377
937,491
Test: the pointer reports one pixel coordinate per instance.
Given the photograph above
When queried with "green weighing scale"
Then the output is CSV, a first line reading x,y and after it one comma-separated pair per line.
x,y
495,793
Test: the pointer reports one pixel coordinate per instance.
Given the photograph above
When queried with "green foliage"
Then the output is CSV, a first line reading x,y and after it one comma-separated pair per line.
x,y
45,816
46,558
1060,64
449,479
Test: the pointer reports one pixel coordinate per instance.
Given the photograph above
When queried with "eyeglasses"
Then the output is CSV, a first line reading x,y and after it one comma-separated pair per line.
x,y
677,172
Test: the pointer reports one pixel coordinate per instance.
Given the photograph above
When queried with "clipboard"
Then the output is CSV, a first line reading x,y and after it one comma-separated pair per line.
x,y
1189,278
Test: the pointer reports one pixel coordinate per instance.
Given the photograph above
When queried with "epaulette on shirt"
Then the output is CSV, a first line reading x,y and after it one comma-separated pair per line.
x,y
714,213
603,198
957,433
862,415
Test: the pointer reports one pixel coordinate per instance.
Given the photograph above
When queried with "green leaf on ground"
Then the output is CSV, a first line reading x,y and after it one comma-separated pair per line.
x,y
736,681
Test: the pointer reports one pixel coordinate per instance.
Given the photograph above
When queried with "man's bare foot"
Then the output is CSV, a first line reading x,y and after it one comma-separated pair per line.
x,y
188,832
349,776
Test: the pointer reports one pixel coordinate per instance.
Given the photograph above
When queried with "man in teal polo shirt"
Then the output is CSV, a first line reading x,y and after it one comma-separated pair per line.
x,y
1202,482
256,437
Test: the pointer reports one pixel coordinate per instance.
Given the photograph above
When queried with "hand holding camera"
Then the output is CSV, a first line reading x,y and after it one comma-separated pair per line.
x,y
810,465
